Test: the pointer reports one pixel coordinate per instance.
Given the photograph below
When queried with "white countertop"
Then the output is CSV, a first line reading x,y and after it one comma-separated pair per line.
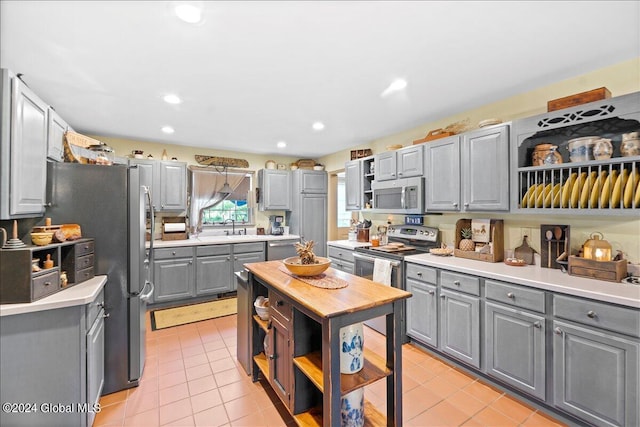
x,y
347,244
80,294
537,277
221,240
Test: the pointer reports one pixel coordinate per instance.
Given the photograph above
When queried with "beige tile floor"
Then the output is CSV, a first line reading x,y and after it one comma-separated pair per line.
x,y
192,378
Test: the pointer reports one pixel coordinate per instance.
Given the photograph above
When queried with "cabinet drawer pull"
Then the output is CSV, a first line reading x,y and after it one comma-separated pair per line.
x,y
591,314
47,283
173,253
419,274
456,282
557,331
537,325
279,303
431,292
510,295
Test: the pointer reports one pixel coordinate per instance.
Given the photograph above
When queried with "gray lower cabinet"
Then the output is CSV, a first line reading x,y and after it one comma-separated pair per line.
x,y
596,371
213,269
422,307
23,149
515,348
173,274
52,366
244,253
460,326
341,259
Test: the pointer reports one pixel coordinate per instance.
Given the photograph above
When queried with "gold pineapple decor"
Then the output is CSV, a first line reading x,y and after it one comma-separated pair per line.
x,y
466,244
305,252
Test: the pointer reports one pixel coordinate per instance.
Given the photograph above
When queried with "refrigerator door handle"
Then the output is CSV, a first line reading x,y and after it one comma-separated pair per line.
x,y
146,296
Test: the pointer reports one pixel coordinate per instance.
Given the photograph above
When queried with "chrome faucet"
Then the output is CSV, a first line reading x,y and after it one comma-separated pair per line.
x,y
233,226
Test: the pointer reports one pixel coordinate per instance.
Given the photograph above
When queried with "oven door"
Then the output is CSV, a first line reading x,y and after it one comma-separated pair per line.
x,y
363,267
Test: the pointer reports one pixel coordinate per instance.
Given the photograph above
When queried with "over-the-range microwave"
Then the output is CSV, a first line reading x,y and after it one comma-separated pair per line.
x,y
403,196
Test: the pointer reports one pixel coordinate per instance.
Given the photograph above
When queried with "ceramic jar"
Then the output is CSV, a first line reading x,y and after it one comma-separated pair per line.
x,y
581,149
352,409
539,153
552,157
351,348
630,145
602,149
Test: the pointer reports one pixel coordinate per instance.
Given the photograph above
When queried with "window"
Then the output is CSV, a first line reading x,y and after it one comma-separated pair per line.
x,y
236,207
343,216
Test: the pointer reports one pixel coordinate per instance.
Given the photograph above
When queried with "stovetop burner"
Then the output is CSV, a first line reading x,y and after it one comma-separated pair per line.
x,y
418,237
632,280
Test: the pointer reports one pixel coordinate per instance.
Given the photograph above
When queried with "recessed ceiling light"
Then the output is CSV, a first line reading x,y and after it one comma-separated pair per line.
x,y
395,86
168,129
318,126
281,144
189,13
172,99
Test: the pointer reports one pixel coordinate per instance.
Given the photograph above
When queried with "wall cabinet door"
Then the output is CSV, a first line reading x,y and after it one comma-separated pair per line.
x,y
515,348
173,186
280,363
460,326
353,180
23,151
422,313
595,375
213,274
149,177
312,182
55,136
410,161
275,190
485,169
386,166
173,279
442,168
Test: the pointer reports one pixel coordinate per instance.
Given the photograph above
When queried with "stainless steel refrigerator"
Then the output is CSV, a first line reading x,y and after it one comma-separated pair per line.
x,y
111,206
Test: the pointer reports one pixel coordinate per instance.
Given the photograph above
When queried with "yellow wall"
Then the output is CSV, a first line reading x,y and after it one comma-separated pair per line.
x,y
622,233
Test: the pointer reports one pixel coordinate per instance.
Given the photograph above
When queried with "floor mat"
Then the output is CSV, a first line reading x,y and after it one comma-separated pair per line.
x,y
168,317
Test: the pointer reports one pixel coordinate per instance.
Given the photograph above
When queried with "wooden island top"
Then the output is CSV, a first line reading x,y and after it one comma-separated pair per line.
x,y
360,294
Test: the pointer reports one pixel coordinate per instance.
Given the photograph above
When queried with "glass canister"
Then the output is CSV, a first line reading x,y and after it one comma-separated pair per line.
x,y
597,248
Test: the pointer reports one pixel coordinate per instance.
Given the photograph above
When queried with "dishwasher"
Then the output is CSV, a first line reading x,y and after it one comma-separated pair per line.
x,y
281,249
244,321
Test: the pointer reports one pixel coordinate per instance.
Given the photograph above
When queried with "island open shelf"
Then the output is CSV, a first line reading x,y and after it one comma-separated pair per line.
x,y
298,352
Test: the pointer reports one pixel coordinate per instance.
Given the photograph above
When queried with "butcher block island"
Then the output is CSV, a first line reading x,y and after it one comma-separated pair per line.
x,y
297,350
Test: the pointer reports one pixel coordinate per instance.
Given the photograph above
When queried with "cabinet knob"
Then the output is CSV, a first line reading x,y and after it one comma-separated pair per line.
x,y
104,316
466,205
173,252
455,205
537,325
279,303
591,314
557,331
47,283
456,282
510,295
431,292
399,173
419,274
271,356
228,258
443,296
190,261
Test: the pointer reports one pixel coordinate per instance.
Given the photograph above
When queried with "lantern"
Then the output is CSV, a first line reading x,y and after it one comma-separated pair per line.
x,y
596,248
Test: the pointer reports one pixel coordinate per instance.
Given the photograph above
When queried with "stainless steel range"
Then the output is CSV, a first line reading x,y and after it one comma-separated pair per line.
x,y
414,239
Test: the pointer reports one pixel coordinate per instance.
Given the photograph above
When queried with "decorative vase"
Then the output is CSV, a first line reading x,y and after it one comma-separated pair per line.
x,y
602,149
352,409
351,348
630,145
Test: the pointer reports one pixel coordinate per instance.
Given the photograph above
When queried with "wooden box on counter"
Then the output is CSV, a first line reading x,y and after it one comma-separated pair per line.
x,y
20,284
612,271
496,238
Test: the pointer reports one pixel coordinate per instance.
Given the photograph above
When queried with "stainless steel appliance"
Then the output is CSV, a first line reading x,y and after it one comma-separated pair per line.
x,y
281,249
405,196
416,239
111,206
275,225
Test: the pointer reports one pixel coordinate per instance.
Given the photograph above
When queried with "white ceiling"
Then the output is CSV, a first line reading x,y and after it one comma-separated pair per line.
x,y
254,73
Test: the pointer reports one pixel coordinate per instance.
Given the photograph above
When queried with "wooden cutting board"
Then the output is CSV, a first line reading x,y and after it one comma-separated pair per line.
x,y
393,248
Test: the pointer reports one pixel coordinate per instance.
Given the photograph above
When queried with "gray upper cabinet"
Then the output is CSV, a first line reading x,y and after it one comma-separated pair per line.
x,y
167,181
310,182
274,190
308,216
485,169
173,186
403,163
468,172
23,150
442,172
55,136
353,185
